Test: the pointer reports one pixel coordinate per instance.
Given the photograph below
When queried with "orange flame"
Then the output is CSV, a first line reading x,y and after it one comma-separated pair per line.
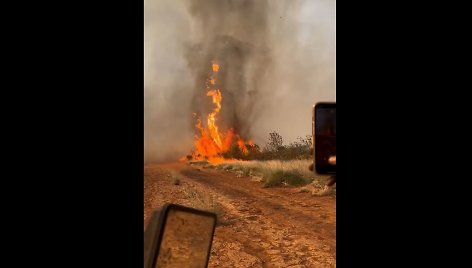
x,y
216,67
212,143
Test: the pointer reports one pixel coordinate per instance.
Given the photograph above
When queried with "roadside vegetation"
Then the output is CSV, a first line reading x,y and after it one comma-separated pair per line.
x,y
276,164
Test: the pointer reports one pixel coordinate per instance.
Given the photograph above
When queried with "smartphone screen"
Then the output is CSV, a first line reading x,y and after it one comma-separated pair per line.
x,y
324,137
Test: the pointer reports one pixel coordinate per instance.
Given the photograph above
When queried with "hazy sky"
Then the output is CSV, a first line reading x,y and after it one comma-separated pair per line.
x,y
279,56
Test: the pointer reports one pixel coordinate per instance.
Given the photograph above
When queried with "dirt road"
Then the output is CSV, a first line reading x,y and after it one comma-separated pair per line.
x,y
258,227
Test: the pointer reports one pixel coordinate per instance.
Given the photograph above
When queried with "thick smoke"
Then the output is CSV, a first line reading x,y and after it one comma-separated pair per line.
x,y
233,34
277,58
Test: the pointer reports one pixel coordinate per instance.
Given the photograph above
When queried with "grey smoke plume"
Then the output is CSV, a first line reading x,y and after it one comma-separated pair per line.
x,y
277,58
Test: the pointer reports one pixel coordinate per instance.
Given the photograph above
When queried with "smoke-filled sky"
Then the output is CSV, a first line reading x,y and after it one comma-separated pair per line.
x,y
277,59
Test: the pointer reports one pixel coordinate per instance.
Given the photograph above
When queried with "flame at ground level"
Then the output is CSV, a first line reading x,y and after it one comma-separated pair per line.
x,y
208,147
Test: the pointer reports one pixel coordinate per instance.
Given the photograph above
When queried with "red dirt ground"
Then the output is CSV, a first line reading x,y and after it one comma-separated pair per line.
x,y
258,227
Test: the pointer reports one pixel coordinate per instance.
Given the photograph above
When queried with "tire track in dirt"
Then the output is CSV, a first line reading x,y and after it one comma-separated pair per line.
x,y
259,227
276,226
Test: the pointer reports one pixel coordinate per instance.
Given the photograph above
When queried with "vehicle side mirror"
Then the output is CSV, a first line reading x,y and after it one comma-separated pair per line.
x,y
178,236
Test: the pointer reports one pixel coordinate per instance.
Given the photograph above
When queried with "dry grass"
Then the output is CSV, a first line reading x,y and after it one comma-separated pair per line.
x,y
199,200
274,172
